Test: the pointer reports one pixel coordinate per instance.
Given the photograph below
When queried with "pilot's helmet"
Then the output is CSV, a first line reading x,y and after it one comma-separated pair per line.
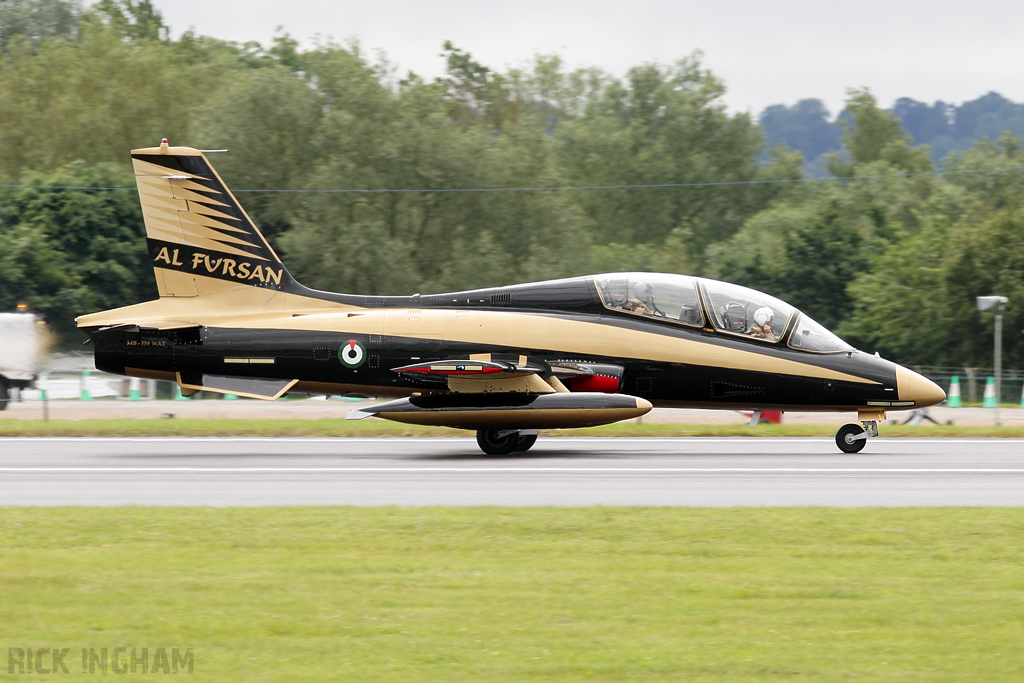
x,y
764,315
617,291
644,291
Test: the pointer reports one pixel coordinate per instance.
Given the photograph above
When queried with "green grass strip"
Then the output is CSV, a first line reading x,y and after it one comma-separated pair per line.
x,y
381,428
549,594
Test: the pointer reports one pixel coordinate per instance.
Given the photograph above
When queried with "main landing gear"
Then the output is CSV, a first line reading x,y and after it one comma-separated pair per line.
x,y
851,438
505,441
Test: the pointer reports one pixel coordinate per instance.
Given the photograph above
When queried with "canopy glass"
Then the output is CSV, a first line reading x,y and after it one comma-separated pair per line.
x,y
732,309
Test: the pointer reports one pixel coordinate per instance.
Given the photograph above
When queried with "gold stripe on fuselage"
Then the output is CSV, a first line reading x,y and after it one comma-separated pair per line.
x,y
507,329
551,333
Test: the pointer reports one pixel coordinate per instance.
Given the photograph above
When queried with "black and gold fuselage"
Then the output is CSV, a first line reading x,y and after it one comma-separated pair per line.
x,y
571,352
558,322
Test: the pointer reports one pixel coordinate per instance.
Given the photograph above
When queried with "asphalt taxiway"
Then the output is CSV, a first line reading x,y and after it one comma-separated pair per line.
x,y
558,471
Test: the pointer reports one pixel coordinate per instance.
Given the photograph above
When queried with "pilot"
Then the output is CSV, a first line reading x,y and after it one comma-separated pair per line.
x,y
764,317
643,299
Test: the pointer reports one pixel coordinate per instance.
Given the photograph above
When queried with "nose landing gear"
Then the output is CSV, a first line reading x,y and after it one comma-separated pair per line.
x,y
851,438
505,441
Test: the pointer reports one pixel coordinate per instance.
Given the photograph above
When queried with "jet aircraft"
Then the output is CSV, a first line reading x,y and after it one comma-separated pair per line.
x,y
503,361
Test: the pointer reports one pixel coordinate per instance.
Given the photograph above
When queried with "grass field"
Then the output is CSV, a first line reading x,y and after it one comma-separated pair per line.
x,y
499,594
328,427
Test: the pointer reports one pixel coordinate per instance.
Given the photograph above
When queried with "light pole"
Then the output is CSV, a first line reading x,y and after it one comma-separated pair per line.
x,y
999,303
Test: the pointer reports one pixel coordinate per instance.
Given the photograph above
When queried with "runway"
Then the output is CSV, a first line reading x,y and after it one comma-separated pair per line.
x,y
558,471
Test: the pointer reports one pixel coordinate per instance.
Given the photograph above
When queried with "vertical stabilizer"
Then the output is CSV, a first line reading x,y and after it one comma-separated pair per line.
x,y
200,239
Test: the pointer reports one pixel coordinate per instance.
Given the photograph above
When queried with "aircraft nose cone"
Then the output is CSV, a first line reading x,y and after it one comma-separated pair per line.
x,y
643,406
921,390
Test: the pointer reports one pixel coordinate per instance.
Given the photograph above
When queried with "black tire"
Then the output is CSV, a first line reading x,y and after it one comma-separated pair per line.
x,y
5,395
845,440
525,443
491,444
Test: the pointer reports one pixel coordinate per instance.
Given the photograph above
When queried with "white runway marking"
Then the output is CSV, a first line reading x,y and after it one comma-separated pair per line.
x,y
548,440
678,471
531,470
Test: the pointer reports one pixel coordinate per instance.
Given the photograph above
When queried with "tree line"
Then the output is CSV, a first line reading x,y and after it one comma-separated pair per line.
x,y
807,126
645,172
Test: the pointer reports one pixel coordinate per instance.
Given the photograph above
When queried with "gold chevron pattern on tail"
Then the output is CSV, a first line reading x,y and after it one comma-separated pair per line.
x,y
200,239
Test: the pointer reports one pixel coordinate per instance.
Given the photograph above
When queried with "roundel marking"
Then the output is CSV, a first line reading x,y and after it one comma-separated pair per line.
x,y
352,354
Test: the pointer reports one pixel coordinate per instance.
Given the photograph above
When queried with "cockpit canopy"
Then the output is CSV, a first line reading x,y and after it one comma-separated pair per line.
x,y
731,308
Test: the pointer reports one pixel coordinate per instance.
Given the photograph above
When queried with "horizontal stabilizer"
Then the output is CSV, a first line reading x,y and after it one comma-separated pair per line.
x,y
509,411
250,387
157,326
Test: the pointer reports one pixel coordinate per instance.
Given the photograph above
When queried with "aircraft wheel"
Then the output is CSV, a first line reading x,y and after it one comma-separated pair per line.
x,y
5,395
492,444
845,440
525,443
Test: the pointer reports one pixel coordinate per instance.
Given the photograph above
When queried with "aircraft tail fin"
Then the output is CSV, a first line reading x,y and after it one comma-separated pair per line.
x,y
200,239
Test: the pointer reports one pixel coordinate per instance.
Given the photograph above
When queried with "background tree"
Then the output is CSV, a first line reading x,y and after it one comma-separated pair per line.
x,y
67,251
101,95
134,19
36,21
805,127
666,125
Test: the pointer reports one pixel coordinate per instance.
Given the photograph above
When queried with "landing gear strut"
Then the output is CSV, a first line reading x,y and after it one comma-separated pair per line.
x,y
851,438
505,441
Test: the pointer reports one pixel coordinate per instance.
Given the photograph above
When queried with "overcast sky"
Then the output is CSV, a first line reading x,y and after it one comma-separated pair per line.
x,y
766,52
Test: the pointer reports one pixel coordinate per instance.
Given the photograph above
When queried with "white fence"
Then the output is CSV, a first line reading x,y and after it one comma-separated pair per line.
x,y
71,385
